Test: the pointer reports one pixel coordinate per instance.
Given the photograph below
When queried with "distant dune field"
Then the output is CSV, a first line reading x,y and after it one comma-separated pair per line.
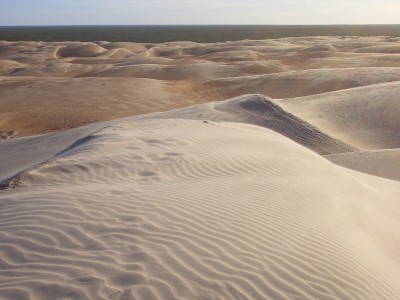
x,y
252,169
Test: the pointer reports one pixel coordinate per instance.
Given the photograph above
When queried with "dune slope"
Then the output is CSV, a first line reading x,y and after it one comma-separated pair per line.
x,y
39,105
305,82
366,117
185,209
382,163
262,111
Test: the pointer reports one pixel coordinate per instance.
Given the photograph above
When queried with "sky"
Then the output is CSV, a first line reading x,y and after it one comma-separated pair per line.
x,y
179,12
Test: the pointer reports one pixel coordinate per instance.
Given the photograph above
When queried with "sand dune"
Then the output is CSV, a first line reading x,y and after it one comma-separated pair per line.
x,y
29,152
382,163
75,102
143,209
262,111
350,60
287,191
9,65
366,117
79,50
167,72
283,68
321,47
305,82
394,48
63,70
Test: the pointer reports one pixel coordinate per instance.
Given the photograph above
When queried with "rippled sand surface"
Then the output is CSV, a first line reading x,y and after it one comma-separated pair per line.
x,y
286,189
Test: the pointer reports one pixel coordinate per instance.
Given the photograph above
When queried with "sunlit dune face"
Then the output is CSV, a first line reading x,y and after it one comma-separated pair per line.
x,y
52,86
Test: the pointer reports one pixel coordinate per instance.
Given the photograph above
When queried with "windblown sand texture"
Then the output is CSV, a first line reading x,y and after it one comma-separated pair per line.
x,y
289,189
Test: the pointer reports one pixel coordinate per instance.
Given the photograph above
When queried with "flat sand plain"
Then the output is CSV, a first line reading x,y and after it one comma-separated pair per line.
x,y
237,170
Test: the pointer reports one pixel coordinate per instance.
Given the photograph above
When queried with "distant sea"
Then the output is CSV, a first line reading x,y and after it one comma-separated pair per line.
x,y
195,33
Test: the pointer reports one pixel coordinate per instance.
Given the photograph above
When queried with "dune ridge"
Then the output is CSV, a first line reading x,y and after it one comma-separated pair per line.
x,y
262,111
28,152
272,116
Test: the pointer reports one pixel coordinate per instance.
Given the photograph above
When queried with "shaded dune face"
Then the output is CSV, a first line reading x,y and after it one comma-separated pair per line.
x,y
266,113
367,117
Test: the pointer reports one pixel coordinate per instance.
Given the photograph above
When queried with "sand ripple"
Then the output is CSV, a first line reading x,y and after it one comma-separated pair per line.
x,y
182,209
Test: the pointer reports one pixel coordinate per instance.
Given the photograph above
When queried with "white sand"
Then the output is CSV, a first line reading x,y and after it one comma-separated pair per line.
x,y
185,209
382,163
366,117
234,199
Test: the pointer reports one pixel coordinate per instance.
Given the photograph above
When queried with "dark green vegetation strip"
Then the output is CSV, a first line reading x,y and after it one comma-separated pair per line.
x,y
209,33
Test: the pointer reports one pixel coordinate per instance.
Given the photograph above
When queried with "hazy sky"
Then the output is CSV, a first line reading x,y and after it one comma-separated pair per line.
x,y
86,12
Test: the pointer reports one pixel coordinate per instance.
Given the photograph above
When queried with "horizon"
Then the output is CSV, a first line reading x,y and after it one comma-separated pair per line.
x,y
195,33
174,25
